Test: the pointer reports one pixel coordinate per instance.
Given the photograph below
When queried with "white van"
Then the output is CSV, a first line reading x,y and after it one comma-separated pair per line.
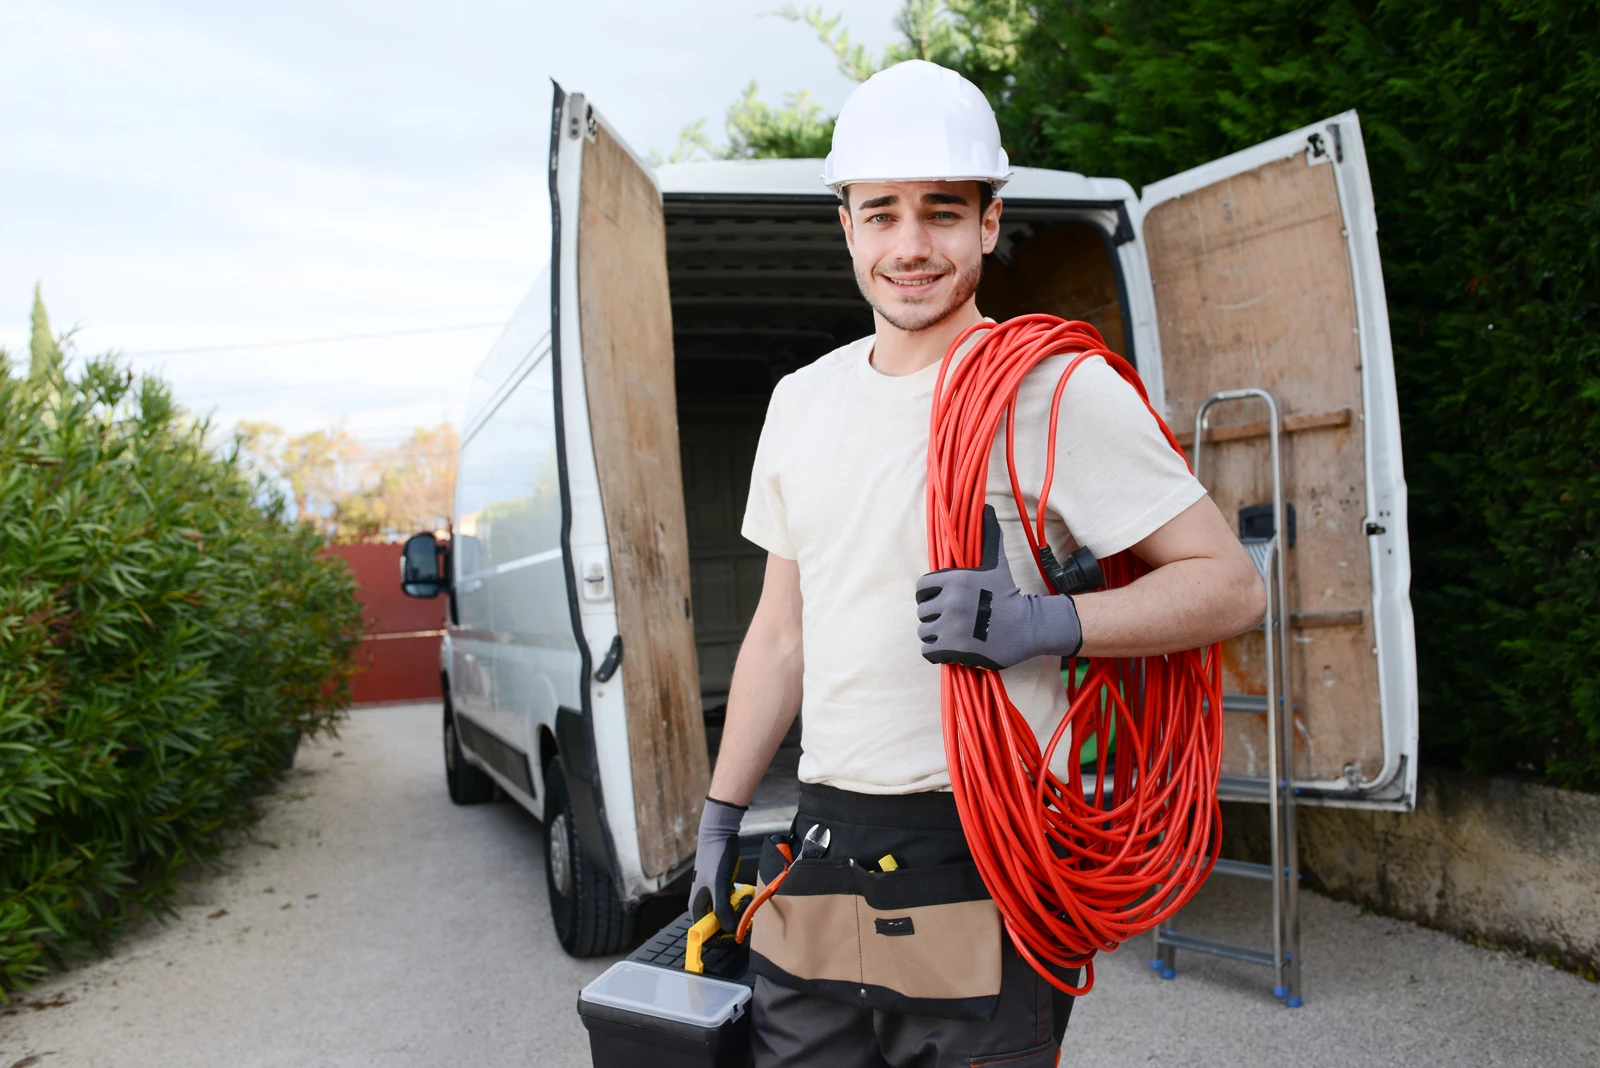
x,y
599,588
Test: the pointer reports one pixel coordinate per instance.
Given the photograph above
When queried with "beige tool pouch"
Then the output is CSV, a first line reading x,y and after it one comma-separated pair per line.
x,y
920,941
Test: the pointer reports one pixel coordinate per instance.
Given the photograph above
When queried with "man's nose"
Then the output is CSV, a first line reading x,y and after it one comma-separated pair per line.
x,y
912,242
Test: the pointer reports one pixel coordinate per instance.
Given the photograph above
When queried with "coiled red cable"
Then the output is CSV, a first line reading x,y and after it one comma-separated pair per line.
x,y
1078,866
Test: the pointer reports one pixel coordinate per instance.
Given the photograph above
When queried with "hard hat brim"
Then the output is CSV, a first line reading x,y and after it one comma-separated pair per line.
x,y
998,182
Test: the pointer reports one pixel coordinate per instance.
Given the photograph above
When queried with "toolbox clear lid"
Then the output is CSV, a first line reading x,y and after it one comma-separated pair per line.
x,y
667,994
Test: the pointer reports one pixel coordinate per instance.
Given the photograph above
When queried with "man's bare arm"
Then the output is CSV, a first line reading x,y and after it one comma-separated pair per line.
x,y
1204,588
765,693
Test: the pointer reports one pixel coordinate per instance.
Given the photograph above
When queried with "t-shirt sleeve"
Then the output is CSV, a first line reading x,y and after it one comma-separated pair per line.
x,y
766,519
1117,478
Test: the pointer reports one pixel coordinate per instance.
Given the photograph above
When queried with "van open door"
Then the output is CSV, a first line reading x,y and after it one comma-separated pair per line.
x,y
1265,273
638,744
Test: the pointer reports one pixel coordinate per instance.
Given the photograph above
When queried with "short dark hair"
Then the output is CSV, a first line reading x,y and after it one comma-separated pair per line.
x,y
985,196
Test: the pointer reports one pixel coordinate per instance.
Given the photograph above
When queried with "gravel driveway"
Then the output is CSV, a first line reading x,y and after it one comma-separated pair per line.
x,y
371,922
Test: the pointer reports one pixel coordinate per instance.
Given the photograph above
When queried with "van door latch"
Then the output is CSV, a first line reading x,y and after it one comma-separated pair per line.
x,y
595,587
613,658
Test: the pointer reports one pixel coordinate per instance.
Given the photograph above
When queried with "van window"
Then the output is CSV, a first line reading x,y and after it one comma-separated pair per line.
x,y
508,494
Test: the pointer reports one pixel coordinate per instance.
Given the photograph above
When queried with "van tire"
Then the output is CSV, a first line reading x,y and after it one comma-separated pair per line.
x,y
468,784
589,916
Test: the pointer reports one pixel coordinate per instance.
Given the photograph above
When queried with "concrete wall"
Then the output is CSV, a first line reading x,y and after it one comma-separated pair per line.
x,y
1491,860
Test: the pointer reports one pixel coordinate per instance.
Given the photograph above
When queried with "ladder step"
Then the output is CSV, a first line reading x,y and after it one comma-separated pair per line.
x,y
1243,869
1216,949
1239,788
1260,550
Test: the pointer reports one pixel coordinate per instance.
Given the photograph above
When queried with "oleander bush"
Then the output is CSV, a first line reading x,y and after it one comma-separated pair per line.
x,y
166,637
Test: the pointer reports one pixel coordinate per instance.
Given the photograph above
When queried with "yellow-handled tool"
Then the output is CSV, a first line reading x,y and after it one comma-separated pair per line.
x,y
706,928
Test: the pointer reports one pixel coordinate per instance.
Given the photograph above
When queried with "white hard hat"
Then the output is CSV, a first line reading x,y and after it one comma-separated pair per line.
x,y
916,122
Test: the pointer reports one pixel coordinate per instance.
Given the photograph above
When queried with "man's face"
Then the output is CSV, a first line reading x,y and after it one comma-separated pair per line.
x,y
918,247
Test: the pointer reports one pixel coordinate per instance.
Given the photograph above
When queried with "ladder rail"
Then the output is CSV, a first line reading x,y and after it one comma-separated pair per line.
x,y
1284,870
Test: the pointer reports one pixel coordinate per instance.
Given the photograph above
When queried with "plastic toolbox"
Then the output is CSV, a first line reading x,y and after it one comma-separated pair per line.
x,y
647,1010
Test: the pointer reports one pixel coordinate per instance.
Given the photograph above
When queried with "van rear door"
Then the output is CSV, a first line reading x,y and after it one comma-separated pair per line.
x,y
1265,273
625,546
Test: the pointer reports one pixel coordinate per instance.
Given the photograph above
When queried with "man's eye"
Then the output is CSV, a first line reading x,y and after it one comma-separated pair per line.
x,y
879,218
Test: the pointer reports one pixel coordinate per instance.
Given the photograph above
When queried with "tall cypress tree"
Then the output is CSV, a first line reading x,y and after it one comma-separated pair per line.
x,y
43,349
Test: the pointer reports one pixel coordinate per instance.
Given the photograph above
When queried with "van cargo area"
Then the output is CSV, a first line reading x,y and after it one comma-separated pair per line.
x,y
761,287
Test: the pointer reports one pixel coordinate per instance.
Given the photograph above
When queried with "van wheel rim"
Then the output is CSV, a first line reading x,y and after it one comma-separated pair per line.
x,y
559,856
449,748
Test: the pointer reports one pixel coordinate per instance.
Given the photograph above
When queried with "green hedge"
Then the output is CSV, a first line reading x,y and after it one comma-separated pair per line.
x,y
1482,128
165,638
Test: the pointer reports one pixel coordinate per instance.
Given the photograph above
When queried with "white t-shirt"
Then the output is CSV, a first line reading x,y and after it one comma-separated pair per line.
x,y
839,484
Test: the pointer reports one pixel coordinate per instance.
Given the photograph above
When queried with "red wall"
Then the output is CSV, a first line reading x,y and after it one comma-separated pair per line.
x,y
400,644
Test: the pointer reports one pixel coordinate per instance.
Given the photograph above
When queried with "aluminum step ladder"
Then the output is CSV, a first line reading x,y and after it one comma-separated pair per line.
x,y
1284,872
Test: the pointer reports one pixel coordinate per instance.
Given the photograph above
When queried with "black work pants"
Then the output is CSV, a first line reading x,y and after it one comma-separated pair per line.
x,y
820,1020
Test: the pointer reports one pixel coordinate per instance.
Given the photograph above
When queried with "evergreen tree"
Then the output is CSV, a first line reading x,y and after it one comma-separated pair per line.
x,y
43,348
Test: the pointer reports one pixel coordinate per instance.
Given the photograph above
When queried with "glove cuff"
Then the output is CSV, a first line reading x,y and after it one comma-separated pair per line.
x,y
1057,631
719,816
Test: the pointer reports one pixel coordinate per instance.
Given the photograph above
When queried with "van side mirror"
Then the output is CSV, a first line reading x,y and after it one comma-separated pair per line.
x,y
420,574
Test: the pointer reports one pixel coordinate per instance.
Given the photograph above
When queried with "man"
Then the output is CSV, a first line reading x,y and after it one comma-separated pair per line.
x,y
884,948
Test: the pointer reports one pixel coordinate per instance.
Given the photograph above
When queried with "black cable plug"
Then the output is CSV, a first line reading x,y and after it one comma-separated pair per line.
x,y
1080,572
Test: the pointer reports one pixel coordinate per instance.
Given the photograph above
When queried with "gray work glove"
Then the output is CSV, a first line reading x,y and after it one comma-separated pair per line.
x,y
716,858
976,615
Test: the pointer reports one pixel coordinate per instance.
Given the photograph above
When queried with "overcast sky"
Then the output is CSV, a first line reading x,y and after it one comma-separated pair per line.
x,y
195,174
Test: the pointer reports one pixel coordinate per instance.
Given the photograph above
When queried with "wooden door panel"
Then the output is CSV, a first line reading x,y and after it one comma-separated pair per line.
x,y
626,330
1253,287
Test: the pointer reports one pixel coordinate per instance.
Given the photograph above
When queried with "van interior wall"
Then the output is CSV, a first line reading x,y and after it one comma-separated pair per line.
x,y
1056,267
760,288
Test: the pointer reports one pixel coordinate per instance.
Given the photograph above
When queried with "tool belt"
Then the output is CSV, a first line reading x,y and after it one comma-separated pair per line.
x,y
892,916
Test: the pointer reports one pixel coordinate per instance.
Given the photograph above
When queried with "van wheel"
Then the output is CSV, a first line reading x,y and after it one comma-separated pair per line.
x,y
468,785
589,916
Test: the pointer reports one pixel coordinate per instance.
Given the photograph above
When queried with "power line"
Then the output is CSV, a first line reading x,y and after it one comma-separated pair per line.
x,y
282,387
316,340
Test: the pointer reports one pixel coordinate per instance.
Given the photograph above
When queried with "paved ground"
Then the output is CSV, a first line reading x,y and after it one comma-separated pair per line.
x,y
373,923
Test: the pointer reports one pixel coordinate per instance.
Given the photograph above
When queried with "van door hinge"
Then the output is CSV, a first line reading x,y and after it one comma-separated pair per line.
x,y
575,109
1318,147
613,658
1124,231
581,119
1373,529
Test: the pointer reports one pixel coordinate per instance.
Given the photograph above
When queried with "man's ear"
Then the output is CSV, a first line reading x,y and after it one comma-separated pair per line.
x,y
991,226
850,230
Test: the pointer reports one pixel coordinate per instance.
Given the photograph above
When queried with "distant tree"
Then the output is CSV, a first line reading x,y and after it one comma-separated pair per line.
x,y
757,130
799,129
350,491
320,468
929,29
406,488
44,348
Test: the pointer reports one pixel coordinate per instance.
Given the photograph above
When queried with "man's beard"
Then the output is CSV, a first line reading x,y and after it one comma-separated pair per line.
x,y
914,317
